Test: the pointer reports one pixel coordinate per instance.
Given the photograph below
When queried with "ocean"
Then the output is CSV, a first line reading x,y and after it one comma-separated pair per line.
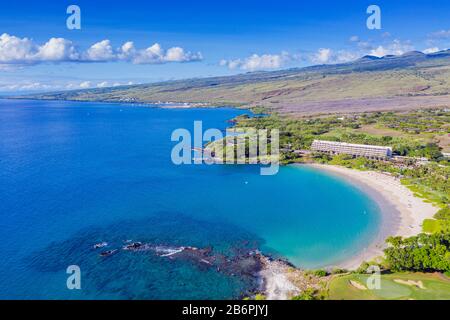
x,y
76,174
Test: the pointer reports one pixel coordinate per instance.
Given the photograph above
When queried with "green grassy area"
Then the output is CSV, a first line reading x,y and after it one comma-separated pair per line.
x,y
435,287
440,223
432,226
427,193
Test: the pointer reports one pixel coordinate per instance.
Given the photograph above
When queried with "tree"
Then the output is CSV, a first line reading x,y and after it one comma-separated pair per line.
x,y
419,253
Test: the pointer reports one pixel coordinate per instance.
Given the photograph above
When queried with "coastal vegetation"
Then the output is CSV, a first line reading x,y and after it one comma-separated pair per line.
x,y
424,252
417,139
440,223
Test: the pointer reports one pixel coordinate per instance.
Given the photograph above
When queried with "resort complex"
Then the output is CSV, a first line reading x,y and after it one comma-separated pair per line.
x,y
357,150
223,158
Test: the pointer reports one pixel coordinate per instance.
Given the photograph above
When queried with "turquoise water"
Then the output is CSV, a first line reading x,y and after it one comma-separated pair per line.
x,y
74,174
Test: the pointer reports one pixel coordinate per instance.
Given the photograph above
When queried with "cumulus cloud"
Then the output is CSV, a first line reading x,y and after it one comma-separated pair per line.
x,y
388,46
396,47
156,54
57,49
323,55
357,49
431,50
100,51
260,62
103,84
15,50
327,55
85,84
24,51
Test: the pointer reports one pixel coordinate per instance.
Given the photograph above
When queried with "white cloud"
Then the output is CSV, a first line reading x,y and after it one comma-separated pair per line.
x,y
103,84
156,54
85,84
24,51
55,85
153,54
16,50
346,56
57,49
176,54
396,47
326,56
100,51
380,51
25,86
323,55
127,51
260,62
431,50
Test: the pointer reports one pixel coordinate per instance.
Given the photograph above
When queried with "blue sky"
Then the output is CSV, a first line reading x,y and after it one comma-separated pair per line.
x,y
207,38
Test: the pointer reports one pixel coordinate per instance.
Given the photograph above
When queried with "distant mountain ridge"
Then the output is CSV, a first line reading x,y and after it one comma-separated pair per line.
x,y
411,80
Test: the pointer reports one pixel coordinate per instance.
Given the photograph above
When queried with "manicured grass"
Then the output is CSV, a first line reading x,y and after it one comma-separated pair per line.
x,y
431,226
436,287
423,192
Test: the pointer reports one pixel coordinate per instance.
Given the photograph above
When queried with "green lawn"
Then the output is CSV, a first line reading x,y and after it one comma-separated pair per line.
x,y
432,226
436,287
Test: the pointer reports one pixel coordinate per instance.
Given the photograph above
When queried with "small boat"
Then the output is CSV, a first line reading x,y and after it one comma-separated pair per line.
x,y
100,245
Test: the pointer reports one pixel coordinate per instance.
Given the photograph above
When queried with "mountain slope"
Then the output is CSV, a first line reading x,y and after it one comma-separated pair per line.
x,y
410,81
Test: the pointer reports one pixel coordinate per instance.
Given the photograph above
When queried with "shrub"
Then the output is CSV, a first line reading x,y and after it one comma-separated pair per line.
x,y
320,273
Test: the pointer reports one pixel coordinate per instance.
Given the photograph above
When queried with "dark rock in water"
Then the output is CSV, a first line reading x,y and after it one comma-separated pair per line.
x,y
248,265
100,245
170,256
133,246
286,262
108,253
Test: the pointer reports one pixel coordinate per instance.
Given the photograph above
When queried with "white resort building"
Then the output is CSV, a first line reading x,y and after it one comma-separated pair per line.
x,y
357,150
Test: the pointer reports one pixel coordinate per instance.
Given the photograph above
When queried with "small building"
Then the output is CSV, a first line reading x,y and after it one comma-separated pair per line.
x,y
356,150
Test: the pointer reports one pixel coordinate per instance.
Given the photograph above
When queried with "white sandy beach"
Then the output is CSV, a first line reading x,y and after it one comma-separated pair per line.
x,y
402,212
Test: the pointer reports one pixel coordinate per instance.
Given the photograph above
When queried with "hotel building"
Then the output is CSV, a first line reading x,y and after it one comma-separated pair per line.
x,y
357,150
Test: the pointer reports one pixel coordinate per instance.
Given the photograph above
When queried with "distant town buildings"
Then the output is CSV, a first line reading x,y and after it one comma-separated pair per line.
x,y
357,150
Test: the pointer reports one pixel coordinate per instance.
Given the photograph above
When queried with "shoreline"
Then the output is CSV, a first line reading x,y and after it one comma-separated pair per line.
x,y
402,214
155,104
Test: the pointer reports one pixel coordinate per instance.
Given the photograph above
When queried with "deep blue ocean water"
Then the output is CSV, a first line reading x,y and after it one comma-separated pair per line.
x,y
74,174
